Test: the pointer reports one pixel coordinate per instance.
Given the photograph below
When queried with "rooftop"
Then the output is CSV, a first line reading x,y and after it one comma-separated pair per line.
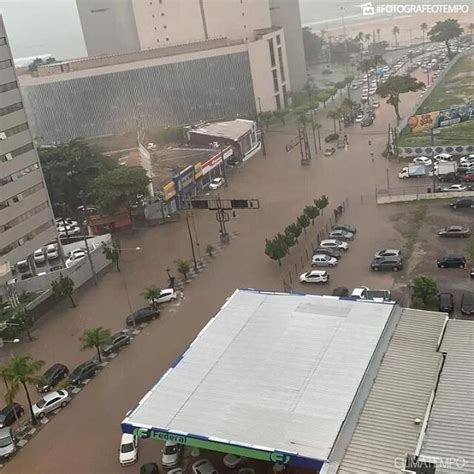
x,y
270,371
231,130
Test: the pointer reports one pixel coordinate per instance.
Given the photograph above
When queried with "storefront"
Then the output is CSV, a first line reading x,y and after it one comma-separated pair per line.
x,y
212,168
185,184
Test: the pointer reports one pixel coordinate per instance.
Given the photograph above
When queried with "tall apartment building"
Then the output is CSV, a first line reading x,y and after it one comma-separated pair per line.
x,y
26,218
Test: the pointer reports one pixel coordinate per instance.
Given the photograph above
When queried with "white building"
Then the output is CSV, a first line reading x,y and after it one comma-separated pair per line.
x,y
26,218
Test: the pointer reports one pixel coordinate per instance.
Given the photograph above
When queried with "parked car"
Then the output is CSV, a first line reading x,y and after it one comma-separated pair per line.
x,y
166,295
203,466
453,188
323,261
216,183
52,377
422,160
360,292
171,454
329,252
52,252
329,151
233,460
334,244
346,228
7,443
468,178
82,372
341,235
22,265
467,304
331,137
367,121
443,157
340,291
455,231
446,302
314,276
467,167
462,203
7,414
386,263
452,261
388,253
143,315
359,117
150,468
118,340
50,402
128,452
177,470
39,256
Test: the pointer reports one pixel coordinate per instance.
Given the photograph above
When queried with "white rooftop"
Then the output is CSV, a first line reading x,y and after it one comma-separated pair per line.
x,y
232,129
271,370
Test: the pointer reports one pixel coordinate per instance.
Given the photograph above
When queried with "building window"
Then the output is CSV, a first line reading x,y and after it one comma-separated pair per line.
x,y
282,69
10,109
278,101
19,197
30,236
285,96
278,39
23,217
164,26
17,152
14,130
18,174
243,14
3,41
8,86
167,39
275,80
272,52
162,14
5,64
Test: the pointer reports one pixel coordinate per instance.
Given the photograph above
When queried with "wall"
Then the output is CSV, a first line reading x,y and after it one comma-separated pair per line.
x,y
422,196
286,14
410,152
108,26
211,85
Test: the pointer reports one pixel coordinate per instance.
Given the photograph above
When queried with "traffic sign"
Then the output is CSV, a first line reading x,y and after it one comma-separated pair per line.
x,y
224,204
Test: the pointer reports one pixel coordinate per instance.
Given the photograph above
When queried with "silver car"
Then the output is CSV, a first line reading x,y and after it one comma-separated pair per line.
x,y
50,402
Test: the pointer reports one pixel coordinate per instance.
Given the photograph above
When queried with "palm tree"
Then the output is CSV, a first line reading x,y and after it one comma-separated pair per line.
x,y
334,115
396,32
151,294
367,37
95,337
470,27
364,66
23,317
378,35
23,371
423,28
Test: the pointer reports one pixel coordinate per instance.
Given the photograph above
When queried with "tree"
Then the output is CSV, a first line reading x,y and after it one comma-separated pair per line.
x,y
281,114
294,229
183,267
396,85
152,294
396,32
288,239
24,318
33,66
120,188
112,252
322,202
378,47
312,44
70,168
276,249
312,212
323,96
424,288
265,117
303,221
302,118
444,31
470,27
63,287
23,371
348,81
423,28
95,337
367,38
209,249
365,66
378,35
334,115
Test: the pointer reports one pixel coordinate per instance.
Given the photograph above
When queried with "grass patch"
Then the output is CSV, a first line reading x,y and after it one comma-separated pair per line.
x,y
470,250
457,85
416,217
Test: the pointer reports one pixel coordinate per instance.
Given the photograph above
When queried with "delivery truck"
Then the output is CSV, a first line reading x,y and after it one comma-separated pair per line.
x,y
412,171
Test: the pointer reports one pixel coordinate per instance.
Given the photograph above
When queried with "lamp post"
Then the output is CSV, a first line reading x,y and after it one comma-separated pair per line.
x,y
124,280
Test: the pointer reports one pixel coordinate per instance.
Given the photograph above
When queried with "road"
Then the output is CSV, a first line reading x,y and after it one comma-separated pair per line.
x,y
85,436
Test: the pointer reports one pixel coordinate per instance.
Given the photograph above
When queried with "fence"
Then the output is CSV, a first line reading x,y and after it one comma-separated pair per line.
x,y
429,151
391,196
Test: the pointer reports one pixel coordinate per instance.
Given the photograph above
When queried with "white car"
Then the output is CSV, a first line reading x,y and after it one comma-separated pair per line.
x,y
359,118
323,261
216,183
360,292
39,256
232,460
443,157
375,103
334,244
467,159
66,221
203,466
68,230
422,160
314,276
166,295
52,251
75,256
128,452
454,188
171,454
50,402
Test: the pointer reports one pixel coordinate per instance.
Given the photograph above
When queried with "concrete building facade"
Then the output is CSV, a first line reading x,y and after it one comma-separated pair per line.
x,y
26,217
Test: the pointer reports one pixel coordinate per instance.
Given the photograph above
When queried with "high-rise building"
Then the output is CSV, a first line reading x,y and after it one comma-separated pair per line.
x,y
26,217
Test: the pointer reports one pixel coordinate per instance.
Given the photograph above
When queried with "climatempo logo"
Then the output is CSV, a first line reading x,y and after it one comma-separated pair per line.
x,y
409,8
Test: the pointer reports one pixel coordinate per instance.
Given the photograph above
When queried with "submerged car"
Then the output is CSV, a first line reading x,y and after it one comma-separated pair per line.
x,y
216,183
455,231
171,454
341,235
334,244
329,151
467,304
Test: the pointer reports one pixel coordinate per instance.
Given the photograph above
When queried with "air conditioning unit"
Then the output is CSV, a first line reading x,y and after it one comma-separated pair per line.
x,y
9,156
3,135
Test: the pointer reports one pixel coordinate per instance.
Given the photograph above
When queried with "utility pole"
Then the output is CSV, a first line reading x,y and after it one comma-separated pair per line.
x,y
262,139
88,252
191,241
314,135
